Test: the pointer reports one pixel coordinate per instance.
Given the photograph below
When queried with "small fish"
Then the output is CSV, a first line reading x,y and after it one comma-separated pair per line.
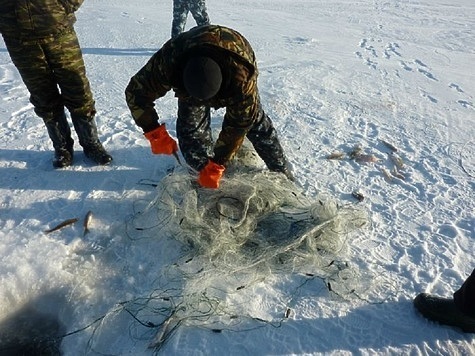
x,y
397,174
336,155
61,225
356,152
87,220
160,336
358,196
390,146
366,159
167,327
386,174
397,160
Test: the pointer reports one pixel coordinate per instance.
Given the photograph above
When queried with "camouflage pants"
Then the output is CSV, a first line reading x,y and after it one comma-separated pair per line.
x,y
54,73
180,13
196,142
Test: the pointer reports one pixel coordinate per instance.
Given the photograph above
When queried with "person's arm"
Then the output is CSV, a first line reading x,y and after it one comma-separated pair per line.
x,y
238,120
149,84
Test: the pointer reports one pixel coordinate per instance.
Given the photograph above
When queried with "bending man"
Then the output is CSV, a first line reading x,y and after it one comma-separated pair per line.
x,y
208,66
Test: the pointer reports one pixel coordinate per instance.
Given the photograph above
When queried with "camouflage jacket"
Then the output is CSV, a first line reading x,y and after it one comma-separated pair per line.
x,y
238,93
36,19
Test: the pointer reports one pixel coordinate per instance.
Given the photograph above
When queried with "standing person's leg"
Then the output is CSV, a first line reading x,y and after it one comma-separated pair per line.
x,y
458,311
464,298
180,13
39,78
66,61
199,12
60,134
193,129
65,58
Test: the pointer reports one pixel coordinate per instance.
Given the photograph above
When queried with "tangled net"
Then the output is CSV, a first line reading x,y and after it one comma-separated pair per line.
x,y
240,243
255,220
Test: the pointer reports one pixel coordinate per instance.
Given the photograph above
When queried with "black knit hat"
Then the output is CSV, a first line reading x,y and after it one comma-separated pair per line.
x,y
202,77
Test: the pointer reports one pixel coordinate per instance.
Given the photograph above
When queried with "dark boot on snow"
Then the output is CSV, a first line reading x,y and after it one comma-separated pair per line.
x,y
86,130
62,158
444,311
60,134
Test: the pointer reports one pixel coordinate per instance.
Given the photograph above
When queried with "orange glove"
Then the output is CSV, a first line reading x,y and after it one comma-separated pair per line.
x,y
161,141
210,175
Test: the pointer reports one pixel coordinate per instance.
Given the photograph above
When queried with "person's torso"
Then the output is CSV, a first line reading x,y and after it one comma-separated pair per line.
x,y
228,48
34,19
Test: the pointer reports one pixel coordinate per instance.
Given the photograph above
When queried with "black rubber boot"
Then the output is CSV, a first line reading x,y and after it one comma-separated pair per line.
x,y
86,130
444,311
60,134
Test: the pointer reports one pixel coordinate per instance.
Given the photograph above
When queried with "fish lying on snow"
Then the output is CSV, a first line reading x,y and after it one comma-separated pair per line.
x,y
61,225
87,220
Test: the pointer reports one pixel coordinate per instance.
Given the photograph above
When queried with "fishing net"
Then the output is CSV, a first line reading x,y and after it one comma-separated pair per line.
x,y
239,245
255,220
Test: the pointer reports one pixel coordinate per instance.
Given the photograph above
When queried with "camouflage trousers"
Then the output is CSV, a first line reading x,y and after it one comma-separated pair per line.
x,y
54,73
180,14
196,142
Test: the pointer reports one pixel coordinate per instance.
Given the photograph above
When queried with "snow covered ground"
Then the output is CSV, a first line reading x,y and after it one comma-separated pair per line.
x,y
333,75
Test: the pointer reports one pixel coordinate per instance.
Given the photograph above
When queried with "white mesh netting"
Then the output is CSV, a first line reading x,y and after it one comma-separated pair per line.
x,y
239,245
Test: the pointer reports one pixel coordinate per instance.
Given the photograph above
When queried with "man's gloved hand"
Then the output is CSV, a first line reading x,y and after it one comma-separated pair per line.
x,y
210,175
161,142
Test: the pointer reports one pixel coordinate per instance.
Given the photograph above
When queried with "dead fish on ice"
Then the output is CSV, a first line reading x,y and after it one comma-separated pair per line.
x,y
356,152
358,196
336,155
366,158
390,146
397,160
87,220
358,156
61,225
168,326
397,174
386,174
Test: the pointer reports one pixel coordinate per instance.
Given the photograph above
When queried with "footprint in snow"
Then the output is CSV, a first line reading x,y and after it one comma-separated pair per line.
x,y
426,95
456,87
405,66
427,74
391,48
465,104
